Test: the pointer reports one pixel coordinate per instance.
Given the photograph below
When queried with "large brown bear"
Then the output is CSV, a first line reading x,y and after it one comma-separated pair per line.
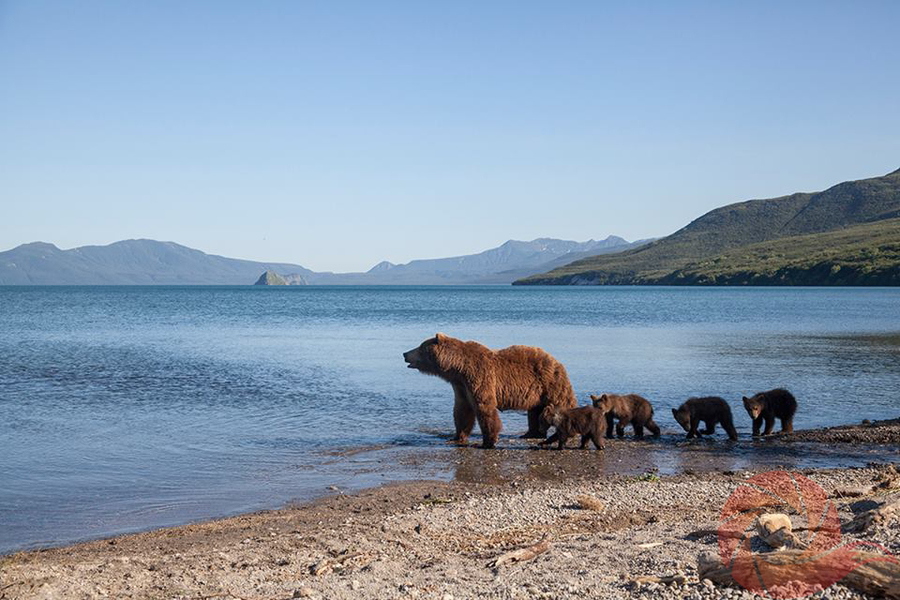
x,y
485,381
629,409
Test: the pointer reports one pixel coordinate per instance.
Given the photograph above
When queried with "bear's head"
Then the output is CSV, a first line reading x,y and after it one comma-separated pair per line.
x,y
435,356
551,416
683,415
423,357
754,406
602,402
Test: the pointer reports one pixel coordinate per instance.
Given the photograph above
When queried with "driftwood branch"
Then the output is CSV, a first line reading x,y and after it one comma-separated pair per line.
x,y
522,554
327,565
888,510
874,574
664,579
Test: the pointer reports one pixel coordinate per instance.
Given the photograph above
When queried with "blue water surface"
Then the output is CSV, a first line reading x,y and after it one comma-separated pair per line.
x,y
124,408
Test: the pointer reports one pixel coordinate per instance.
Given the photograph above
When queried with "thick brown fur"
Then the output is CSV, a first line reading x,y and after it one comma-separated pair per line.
x,y
710,410
768,406
486,381
586,421
628,409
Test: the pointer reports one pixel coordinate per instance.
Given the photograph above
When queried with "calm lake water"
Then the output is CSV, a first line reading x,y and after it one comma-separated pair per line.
x,y
125,408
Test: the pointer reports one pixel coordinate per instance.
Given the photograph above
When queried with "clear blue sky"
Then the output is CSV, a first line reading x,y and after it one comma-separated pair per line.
x,y
337,134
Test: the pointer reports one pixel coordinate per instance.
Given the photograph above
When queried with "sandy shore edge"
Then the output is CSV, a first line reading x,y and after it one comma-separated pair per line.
x,y
435,540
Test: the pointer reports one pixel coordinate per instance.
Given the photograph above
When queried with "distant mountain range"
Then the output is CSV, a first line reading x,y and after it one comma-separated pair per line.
x,y
149,262
848,234
506,263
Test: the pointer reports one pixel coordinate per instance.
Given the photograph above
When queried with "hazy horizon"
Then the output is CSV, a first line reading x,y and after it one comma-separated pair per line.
x,y
335,136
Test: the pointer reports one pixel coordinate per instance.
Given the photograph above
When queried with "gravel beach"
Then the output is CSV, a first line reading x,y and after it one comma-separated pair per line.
x,y
438,539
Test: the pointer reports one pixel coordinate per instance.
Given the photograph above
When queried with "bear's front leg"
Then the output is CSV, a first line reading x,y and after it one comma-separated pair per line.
x,y
550,439
692,432
757,425
562,442
463,416
770,424
610,424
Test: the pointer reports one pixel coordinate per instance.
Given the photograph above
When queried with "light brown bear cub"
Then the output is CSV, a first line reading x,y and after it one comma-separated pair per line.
x,y
628,409
486,381
587,421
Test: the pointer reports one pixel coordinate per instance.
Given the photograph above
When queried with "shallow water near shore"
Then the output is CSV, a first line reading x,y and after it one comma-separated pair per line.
x,y
126,408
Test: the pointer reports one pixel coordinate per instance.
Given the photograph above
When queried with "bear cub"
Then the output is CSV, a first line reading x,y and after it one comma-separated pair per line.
x,y
768,406
587,421
628,409
710,410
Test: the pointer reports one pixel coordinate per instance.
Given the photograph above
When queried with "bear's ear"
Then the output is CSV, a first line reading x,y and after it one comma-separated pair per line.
x,y
746,399
439,337
603,397
675,412
593,397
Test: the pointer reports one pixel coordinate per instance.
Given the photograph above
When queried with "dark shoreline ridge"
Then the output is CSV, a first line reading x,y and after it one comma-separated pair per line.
x,y
847,235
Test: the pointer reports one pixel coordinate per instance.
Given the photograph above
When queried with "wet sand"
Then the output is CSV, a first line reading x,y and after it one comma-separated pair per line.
x,y
432,539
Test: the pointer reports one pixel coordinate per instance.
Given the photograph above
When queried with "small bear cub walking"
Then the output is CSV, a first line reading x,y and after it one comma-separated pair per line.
x,y
710,410
629,409
767,406
587,421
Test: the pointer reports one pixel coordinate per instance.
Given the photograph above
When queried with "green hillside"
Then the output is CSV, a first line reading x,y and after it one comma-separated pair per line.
x,y
866,254
740,225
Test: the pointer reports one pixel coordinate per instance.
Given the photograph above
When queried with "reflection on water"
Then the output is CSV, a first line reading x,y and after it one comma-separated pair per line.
x,y
128,408
670,454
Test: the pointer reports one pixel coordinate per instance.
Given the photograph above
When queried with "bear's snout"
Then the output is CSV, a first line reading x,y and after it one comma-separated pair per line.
x,y
410,358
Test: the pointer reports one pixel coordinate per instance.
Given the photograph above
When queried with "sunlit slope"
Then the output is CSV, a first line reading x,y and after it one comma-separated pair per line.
x,y
740,225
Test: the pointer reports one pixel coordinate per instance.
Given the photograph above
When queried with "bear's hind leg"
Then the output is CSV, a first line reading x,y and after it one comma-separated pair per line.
x,y
638,430
787,425
584,441
728,426
620,428
534,424
489,422
653,427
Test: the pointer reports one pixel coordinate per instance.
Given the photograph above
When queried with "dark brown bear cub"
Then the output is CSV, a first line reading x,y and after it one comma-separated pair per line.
x,y
768,406
710,410
629,409
589,422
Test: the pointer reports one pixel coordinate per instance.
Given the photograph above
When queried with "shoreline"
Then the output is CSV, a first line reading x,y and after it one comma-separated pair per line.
x,y
428,539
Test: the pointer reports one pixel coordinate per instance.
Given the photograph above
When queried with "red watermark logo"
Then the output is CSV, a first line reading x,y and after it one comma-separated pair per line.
x,y
817,558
